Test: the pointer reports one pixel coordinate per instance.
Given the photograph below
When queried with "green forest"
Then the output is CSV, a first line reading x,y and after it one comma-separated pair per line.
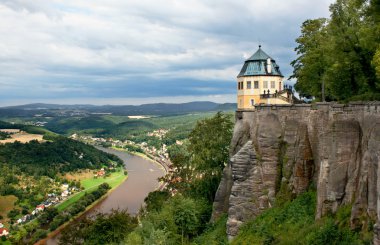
x,y
340,54
52,157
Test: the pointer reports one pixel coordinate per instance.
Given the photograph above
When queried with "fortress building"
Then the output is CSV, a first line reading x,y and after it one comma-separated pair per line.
x,y
260,82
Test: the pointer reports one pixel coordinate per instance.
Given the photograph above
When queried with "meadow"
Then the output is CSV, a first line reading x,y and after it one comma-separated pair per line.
x,y
90,183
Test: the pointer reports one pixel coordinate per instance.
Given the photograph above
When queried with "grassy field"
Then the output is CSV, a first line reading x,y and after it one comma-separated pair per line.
x,y
6,204
23,138
91,183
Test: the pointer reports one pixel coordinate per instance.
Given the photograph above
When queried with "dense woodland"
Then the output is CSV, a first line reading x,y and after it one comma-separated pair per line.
x,y
52,157
341,53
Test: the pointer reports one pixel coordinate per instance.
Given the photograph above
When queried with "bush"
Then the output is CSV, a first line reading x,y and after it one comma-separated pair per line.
x,y
13,213
103,229
215,234
38,235
329,233
293,223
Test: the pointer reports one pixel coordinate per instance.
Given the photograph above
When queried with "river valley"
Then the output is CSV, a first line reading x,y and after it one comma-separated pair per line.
x,y
142,178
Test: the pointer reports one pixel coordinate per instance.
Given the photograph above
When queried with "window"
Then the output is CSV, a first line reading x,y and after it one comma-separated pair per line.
x,y
272,84
252,102
256,84
240,85
249,85
265,84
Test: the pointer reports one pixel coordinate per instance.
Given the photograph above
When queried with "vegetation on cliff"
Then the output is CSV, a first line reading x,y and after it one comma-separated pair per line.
x,y
293,222
343,52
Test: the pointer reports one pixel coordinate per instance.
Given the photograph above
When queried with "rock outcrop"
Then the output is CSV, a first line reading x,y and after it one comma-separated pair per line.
x,y
278,151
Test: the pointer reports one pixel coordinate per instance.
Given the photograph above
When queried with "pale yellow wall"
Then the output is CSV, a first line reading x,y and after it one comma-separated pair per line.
x,y
279,84
244,101
245,95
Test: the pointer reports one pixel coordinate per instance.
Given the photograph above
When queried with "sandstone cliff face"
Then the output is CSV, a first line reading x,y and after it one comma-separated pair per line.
x,y
281,150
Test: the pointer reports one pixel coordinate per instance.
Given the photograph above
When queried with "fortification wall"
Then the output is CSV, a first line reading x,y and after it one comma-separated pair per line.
x,y
285,148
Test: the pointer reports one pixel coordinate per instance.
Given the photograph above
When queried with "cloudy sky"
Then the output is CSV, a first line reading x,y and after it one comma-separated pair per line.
x,y
140,51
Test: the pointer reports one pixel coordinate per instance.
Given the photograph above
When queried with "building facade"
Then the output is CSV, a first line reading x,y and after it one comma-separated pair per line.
x,y
260,82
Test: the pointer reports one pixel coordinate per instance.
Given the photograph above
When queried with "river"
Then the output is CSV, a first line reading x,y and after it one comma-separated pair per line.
x,y
142,179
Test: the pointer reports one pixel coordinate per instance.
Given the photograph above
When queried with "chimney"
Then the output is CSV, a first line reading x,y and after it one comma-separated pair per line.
x,y
269,65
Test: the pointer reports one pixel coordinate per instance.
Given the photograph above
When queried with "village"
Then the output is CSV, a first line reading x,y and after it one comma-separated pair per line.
x,y
63,192
160,154
52,199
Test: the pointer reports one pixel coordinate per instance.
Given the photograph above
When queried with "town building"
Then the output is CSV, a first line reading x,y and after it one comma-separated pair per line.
x,y
4,232
260,81
40,208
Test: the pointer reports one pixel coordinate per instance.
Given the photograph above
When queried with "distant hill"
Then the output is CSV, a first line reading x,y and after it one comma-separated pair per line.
x,y
52,110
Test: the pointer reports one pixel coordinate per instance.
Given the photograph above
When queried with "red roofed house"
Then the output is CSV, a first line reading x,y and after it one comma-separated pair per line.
x,y
40,207
100,173
4,232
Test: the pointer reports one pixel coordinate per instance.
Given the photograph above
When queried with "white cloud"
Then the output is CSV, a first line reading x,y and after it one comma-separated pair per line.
x,y
59,46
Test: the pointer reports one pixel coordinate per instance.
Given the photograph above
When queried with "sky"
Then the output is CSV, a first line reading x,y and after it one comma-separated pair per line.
x,y
141,51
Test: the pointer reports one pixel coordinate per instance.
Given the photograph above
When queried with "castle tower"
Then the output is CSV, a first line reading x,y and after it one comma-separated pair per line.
x,y
260,82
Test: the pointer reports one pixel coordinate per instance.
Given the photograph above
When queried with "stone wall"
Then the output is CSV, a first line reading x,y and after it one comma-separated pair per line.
x,y
282,149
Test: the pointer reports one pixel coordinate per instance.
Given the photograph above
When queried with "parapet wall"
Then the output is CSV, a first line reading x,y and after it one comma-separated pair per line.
x,y
373,107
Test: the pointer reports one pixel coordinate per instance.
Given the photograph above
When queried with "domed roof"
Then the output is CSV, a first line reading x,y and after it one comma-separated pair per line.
x,y
256,65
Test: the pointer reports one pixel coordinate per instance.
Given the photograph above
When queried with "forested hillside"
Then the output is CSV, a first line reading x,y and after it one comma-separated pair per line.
x,y
51,157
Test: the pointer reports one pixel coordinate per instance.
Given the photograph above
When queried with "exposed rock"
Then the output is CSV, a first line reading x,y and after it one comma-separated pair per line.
x,y
248,194
281,150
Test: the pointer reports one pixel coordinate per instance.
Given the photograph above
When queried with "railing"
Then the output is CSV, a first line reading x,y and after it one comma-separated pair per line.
x,y
278,95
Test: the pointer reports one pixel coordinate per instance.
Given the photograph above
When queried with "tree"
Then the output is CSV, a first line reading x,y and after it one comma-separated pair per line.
x,y
104,229
48,215
209,149
340,52
155,200
310,66
186,216
199,162
350,71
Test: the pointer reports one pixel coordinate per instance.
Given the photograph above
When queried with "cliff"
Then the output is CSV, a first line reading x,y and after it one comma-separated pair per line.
x,y
277,152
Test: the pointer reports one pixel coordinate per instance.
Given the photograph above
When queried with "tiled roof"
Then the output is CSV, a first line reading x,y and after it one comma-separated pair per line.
x,y
256,65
